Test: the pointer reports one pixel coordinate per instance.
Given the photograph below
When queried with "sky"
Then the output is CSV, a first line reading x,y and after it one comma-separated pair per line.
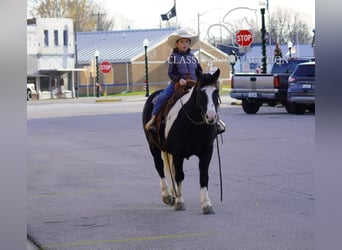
x,y
139,14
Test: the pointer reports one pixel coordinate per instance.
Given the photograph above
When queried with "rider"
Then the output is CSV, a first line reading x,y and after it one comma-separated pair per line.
x,y
182,67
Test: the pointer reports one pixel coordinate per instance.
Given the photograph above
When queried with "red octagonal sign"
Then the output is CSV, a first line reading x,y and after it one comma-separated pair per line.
x,y
105,67
244,38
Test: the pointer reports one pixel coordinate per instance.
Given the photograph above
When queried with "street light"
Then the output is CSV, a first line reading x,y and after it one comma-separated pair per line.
x,y
289,45
313,41
97,53
146,67
262,4
232,59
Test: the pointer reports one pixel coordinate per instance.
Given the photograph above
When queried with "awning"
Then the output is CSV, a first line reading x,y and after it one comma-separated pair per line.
x,y
46,71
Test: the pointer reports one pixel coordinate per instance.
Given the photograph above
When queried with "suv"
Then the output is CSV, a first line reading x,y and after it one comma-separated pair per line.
x,y
301,91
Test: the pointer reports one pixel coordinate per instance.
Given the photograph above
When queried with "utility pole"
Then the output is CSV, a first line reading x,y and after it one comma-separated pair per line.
x,y
98,19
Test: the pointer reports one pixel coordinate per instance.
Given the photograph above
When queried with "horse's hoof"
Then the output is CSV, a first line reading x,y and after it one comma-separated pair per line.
x,y
179,206
168,200
208,210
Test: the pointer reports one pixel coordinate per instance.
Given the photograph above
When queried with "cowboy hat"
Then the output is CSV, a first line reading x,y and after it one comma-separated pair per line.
x,y
171,41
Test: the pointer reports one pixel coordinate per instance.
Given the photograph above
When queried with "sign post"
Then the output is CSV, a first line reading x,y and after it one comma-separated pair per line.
x,y
105,68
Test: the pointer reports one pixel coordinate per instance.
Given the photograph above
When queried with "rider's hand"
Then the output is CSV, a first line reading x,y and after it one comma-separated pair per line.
x,y
182,82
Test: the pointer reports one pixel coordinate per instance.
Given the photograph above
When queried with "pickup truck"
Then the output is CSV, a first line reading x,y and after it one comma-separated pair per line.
x,y
256,89
31,90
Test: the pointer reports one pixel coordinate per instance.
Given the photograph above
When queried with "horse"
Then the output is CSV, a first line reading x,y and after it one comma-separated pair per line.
x,y
189,129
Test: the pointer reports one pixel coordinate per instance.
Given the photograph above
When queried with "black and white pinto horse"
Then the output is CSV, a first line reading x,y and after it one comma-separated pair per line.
x,y
189,129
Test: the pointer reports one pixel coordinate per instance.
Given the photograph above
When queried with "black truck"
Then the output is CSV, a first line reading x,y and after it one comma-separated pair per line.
x,y
256,89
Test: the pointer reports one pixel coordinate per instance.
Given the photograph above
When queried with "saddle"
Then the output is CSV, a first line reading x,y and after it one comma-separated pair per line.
x,y
179,92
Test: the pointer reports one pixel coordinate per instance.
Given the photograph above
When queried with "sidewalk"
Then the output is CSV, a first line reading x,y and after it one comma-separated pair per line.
x,y
225,98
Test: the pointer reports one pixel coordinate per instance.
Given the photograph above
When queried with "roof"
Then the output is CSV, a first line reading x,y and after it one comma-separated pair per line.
x,y
117,46
299,50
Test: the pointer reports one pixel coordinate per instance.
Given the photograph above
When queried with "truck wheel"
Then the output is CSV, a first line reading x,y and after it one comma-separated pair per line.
x,y
29,95
311,109
288,108
297,109
250,108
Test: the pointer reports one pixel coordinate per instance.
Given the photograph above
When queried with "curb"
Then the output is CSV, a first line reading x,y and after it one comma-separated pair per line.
x,y
236,103
109,100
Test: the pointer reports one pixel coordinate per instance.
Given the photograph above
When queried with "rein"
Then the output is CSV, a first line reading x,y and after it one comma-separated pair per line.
x,y
220,168
188,116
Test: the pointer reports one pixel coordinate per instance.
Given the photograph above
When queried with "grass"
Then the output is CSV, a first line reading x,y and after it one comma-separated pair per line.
x,y
143,93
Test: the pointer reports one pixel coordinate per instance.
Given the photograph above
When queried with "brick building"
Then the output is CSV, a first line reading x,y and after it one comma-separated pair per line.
x,y
124,50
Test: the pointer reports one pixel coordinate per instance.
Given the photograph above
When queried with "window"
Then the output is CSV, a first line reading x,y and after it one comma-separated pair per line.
x,y
46,38
55,35
65,38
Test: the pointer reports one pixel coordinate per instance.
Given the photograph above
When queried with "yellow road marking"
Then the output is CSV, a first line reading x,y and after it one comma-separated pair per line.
x,y
160,237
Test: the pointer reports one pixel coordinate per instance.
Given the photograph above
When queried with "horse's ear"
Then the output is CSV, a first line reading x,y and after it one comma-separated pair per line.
x,y
216,74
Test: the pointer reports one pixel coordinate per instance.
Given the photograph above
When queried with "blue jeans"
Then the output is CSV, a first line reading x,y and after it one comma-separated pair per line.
x,y
163,97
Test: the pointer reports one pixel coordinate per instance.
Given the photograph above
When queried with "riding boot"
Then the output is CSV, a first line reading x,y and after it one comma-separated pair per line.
x,y
150,125
220,127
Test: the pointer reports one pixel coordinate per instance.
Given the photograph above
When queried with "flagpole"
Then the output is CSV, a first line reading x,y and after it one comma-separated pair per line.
x,y
170,14
176,14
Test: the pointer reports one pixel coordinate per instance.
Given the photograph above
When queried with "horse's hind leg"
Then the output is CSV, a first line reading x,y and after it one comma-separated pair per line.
x,y
166,194
165,189
170,173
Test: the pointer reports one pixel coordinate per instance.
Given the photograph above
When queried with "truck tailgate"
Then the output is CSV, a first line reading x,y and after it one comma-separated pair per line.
x,y
253,81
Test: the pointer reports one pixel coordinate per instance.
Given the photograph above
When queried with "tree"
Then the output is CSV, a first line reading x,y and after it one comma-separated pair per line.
x,y
283,26
88,16
286,26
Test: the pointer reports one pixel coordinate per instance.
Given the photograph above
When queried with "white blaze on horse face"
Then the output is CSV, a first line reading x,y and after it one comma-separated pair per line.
x,y
211,114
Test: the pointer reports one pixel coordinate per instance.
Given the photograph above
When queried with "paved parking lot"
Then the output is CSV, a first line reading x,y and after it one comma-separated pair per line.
x,y
92,184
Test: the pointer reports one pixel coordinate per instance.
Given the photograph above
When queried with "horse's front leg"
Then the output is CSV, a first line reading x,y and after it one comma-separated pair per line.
x,y
204,161
179,177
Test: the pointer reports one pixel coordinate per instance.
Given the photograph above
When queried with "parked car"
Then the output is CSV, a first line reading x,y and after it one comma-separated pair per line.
x,y
31,90
255,89
302,91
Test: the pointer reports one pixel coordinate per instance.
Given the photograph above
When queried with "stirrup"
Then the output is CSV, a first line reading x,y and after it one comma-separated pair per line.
x,y
152,128
220,127
150,125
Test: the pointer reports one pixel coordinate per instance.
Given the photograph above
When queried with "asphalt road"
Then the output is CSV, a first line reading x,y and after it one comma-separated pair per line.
x,y
92,183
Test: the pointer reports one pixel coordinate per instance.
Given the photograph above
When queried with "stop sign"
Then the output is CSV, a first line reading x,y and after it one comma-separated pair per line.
x,y
105,67
244,38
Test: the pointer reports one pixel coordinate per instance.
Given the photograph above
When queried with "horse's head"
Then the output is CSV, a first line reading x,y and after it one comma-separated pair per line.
x,y
207,99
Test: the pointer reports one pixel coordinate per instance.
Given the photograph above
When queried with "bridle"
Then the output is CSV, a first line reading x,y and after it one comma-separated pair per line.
x,y
198,104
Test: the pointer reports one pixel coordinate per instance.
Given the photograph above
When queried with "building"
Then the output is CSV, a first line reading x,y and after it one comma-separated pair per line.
x,y
124,50
51,57
65,64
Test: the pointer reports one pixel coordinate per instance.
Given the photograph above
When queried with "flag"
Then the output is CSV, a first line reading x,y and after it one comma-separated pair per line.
x,y
170,14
